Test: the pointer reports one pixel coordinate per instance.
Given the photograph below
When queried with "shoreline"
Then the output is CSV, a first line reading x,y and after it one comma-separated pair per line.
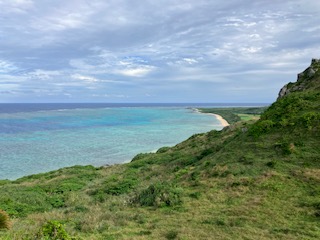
x,y
222,121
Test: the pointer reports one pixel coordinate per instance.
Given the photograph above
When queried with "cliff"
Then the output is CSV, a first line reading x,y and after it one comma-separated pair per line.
x,y
307,80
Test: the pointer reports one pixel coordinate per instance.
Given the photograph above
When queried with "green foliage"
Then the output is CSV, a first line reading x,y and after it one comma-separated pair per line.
x,y
296,109
22,200
163,149
53,230
271,164
205,153
159,195
4,220
140,156
310,119
119,187
261,127
43,192
115,185
195,195
173,234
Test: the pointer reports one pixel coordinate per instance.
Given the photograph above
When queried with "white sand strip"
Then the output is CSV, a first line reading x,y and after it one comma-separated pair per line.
x,y
223,122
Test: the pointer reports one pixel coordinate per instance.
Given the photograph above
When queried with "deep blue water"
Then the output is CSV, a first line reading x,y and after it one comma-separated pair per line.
x,y
38,138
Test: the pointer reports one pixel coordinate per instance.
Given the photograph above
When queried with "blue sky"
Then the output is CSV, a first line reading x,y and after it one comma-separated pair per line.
x,y
154,51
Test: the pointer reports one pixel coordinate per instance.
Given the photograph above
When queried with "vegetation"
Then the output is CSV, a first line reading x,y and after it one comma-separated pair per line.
x,y
252,180
53,230
4,220
233,115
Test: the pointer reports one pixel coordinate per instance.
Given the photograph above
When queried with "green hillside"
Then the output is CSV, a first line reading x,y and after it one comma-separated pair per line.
x,y
256,180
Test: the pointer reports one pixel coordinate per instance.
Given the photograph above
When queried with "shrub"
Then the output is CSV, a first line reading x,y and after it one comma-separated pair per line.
x,y
53,230
285,147
205,153
171,235
310,119
159,195
163,149
140,156
113,186
271,164
121,187
4,220
195,195
261,127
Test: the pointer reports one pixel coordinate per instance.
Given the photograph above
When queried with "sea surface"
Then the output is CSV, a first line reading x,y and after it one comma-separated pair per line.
x,y
37,138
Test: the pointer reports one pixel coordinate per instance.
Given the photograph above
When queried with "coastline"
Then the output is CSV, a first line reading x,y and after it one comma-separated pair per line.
x,y
222,121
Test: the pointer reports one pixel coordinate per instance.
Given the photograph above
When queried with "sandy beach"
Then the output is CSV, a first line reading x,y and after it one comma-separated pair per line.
x,y
223,122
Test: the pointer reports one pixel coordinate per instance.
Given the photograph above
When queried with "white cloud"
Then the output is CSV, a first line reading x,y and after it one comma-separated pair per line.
x,y
59,22
84,78
7,67
15,6
43,74
190,60
136,72
104,62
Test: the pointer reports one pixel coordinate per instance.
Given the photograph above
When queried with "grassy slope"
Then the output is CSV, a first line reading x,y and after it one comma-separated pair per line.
x,y
248,181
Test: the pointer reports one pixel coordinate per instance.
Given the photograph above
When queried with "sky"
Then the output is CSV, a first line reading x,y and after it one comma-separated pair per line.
x,y
201,51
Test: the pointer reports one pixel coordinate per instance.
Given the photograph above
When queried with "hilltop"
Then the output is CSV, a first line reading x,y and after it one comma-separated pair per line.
x,y
252,180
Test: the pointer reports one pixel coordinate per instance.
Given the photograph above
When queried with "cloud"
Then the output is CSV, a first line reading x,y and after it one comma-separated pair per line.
x,y
87,48
135,72
7,67
104,62
84,78
43,74
16,6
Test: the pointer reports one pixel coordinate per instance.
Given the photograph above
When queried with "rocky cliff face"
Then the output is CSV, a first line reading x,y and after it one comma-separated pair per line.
x,y
308,79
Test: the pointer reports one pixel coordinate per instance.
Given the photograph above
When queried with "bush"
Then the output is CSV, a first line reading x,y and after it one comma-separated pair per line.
x,y
113,186
285,147
261,127
140,156
121,187
205,153
271,164
171,235
4,220
159,195
163,149
310,119
53,230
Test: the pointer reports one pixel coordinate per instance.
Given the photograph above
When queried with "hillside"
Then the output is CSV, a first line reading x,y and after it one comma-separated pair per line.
x,y
256,180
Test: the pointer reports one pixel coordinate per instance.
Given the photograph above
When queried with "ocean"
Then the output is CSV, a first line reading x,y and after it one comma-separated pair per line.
x,y
37,138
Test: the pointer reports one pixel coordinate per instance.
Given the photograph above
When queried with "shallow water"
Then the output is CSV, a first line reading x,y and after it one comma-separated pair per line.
x,y
41,139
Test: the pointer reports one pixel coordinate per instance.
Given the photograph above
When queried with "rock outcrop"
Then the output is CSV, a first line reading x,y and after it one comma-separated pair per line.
x,y
305,79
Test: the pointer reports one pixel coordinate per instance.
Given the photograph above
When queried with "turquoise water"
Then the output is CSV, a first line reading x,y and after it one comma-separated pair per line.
x,y
39,141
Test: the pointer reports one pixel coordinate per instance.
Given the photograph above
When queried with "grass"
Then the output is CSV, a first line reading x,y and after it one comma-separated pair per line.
x,y
248,117
252,180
